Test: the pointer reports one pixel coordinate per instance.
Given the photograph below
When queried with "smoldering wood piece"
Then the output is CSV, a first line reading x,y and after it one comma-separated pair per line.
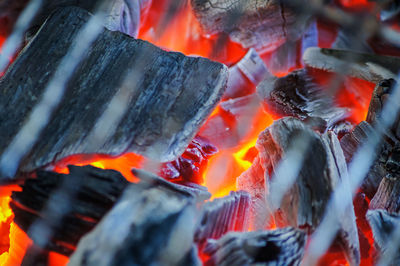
x,y
345,41
278,247
298,95
150,225
388,195
88,193
370,67
245,75
383,225
222,215
382,92
263,25
352,141
324,166
171,99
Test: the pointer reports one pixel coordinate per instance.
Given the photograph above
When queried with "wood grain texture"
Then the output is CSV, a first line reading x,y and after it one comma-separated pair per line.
x,y
170,100
263,25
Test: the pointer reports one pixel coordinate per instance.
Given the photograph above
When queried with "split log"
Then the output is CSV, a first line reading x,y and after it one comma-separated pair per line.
x,y
383,225
222,215
279,247
165,107
304,203
88,194
365,66
298,95
150,225
263,25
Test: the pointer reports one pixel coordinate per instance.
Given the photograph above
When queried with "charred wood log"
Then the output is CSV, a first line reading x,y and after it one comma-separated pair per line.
x,y
150,225
365,66
304,203
222,215
278,247
170,100
298,95
89,193
263,25
383,225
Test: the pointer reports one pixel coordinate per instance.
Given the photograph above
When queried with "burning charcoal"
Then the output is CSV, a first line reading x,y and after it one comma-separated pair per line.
x,y
254,183
89,193
121,15
304,202
245,75
150,225
222,215
352,141
298,95
165,107
365,66
383,225
190,166
279,247
263,25
388,195
379,98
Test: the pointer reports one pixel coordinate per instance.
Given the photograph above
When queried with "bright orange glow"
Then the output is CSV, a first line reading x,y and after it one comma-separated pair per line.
x,y
56,259
19,243
223,168
123,163
183,34
357,4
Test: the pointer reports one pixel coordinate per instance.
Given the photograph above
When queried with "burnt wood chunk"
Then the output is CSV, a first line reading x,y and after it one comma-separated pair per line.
x,y
121,15
172,95
279,247
384,225
298,95
222,215
370,67
87,194
304,203
150,225
388,195
263,25
352,141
